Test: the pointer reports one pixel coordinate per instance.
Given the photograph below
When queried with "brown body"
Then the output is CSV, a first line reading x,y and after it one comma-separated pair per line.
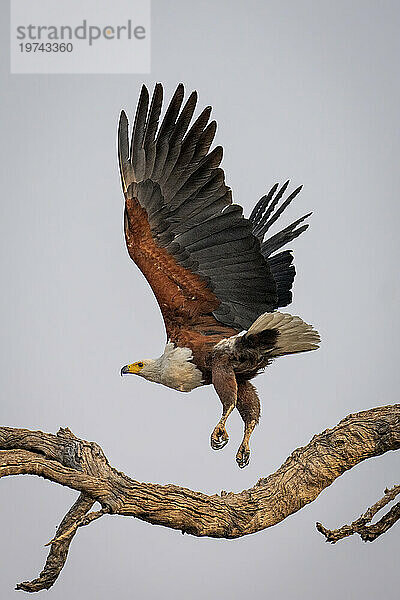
x,y
208,266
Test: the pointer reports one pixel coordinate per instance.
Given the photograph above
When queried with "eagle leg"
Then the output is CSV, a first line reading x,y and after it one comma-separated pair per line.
x,y
224,382
248,405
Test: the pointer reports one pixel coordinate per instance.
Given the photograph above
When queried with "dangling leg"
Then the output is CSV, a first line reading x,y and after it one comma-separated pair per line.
x,y
224,382
248,405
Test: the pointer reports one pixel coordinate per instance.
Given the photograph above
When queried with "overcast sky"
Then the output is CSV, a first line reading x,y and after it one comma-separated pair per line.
x,y
300,89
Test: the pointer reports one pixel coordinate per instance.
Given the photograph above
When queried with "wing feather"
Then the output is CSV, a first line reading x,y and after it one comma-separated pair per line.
x,y
202,258
264,215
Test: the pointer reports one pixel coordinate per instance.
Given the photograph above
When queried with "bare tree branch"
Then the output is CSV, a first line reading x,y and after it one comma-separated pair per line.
x,y
82,465
368,533
81,522
59,548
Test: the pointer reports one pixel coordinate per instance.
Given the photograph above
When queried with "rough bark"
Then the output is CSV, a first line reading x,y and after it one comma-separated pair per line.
x,y
82,465
368,533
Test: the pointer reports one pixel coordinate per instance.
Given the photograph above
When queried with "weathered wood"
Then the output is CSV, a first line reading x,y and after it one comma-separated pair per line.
x,y
82,465
59,549
368,533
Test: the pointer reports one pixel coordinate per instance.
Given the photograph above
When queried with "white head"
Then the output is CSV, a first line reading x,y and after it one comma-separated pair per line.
x,y
175,369
148,368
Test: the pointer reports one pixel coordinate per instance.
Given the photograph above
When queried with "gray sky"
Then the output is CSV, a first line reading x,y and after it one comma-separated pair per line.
x,y
300,89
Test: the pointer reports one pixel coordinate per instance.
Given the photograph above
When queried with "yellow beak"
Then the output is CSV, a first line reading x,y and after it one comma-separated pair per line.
x,y
130,369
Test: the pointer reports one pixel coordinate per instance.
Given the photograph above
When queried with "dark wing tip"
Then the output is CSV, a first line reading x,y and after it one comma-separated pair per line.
x,y
123,141
179,93
284,187
158,90
123,119
144,93
123,148
218,154
193,97
205,114
211,129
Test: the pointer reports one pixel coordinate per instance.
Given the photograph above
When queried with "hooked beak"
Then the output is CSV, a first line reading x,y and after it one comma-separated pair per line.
x,y
133,369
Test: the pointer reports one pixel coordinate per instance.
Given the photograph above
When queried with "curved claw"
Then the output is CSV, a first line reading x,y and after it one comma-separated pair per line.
x,y
219,438
243,456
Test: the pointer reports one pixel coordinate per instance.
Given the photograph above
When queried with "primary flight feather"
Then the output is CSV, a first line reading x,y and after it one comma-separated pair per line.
x,y
212,271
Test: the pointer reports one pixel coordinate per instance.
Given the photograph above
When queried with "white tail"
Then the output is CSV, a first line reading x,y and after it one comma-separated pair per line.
x,y
294,334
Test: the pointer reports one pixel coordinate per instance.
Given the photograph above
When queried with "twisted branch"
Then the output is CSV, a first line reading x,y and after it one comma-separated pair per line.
x,y
368,533
59,547
82,465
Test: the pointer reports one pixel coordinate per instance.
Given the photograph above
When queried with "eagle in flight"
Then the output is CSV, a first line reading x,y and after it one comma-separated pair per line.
x,y
217,279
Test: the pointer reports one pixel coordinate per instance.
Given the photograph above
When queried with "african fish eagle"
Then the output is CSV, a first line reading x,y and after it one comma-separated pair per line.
x,y
216,278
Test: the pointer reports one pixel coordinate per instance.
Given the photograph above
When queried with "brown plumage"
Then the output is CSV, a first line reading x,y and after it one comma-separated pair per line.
x,y
211,270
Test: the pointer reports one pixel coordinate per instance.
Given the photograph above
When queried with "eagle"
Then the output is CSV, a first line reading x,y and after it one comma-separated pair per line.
x,y
217,278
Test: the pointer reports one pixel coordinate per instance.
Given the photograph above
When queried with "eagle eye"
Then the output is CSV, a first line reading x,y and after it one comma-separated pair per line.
x,y
140,365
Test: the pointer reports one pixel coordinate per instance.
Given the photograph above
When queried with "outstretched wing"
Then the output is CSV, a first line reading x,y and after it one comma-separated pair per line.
x,y
205,262
193,245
